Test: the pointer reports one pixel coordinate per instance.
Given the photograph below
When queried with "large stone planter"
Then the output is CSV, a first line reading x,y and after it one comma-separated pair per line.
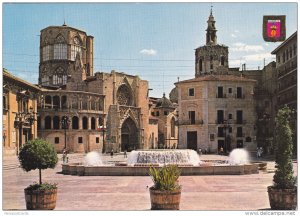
x,y
165,200
282,199
40,200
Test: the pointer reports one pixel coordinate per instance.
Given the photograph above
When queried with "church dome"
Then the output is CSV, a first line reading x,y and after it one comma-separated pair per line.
x,y
164,102
174,95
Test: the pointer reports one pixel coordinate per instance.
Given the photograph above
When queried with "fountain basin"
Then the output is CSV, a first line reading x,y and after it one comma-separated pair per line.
x,y
186,170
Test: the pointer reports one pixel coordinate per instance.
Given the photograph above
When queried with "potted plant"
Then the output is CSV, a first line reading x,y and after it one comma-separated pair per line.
x,y
166,191
39,154
283,193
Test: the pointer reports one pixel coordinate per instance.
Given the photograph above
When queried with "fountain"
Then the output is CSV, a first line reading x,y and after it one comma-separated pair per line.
x,y
92,159
161,157
238,156
138,164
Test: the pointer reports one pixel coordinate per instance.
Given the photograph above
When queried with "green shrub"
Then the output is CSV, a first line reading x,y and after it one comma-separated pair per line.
x,y
165,178
41,187
37,154
283,177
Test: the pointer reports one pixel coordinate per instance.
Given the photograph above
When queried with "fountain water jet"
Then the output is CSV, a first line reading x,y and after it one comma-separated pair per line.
x,y
238,156
161,157
92,159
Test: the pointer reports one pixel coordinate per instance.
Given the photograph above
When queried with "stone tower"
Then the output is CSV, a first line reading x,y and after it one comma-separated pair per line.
x,y
211,58
65,53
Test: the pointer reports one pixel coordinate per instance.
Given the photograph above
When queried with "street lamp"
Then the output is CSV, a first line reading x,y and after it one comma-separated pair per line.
x,y
65,122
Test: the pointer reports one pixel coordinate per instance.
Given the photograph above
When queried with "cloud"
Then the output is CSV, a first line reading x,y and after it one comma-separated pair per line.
x,y
236,31
148,52
233,35
241,47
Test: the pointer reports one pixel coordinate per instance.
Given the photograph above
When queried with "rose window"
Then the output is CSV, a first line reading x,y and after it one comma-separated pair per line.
x,y
124,95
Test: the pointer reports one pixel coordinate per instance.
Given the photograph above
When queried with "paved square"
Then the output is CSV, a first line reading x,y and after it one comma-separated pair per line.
x,y
223,192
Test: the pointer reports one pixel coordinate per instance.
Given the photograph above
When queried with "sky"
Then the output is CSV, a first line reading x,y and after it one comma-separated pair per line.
x,y
155,41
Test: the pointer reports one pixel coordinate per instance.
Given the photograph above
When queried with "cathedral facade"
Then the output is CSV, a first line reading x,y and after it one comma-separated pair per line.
x,y
84,111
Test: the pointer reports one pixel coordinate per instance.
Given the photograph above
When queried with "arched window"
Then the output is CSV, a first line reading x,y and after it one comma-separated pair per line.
x,y
56,122
93,105
222,60
93,123
84,123
60,48
100,121
173,127
75,48
75,122
47,122
56,102
64,79
84,105
48,101
59,76
64,102
46,52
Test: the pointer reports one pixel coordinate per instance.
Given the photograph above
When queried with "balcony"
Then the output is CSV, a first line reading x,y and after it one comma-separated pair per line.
x,y
284,69
241,122
190,122
221,96
221,134
240,96
219,121
240,135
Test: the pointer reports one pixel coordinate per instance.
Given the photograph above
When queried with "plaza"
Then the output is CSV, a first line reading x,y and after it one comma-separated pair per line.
x,y
101,193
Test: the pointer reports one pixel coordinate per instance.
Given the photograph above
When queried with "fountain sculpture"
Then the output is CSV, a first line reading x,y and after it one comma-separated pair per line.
x,y
138,163
184,157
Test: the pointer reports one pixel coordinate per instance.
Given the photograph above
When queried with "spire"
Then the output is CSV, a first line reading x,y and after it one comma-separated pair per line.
x,y
211,36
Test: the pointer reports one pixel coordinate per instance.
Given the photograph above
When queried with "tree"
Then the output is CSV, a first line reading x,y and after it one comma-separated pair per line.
x,y
37,154
283,177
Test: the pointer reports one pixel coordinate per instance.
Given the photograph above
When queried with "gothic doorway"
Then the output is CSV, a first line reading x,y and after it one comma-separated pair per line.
x,y
129,135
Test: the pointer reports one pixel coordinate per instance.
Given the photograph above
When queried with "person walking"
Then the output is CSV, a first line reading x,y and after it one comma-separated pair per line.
x,y
112,153
125,154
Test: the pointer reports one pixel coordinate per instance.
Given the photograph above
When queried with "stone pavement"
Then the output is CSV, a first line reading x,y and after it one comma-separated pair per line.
x,y
224,192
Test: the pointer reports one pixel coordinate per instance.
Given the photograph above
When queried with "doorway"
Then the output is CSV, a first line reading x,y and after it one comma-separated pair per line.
x,y
192,140
129,135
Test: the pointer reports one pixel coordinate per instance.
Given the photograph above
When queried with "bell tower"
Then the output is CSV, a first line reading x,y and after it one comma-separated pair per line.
x,y
211,31
212,58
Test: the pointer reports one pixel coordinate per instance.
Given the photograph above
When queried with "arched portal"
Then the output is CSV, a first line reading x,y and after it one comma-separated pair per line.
x,y
129,135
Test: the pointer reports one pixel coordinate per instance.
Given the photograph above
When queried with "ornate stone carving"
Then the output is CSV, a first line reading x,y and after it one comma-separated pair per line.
x,y
124,95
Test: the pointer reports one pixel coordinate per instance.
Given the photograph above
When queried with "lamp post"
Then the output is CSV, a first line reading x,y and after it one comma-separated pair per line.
x,y
65,122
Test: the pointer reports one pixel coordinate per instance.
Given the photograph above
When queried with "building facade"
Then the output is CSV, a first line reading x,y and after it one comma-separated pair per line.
x,y
216,108
19,113
166,114
286,68
104,111
216,111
